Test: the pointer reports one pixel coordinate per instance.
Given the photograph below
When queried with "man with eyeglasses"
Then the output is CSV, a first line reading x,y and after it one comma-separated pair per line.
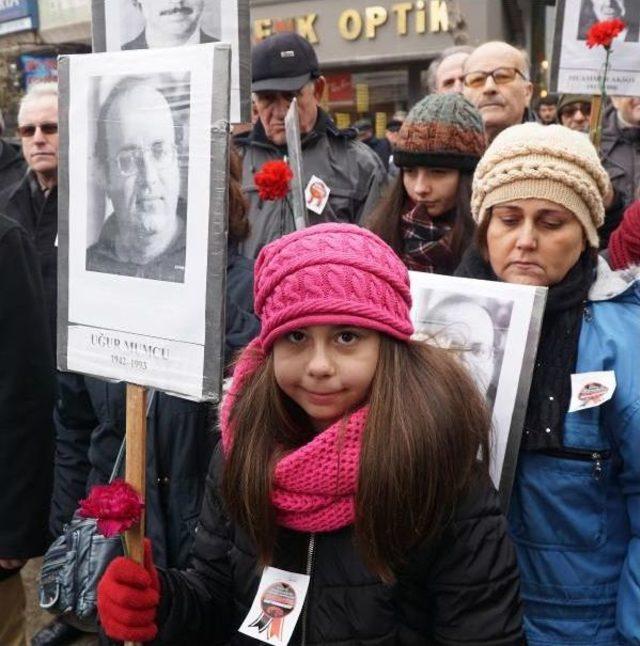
x,y
136,149
33,201
496,81
574,111
284,66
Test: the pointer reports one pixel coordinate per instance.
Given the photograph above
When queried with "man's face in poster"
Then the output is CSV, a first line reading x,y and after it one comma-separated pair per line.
x,y
175,18
608,9
143,178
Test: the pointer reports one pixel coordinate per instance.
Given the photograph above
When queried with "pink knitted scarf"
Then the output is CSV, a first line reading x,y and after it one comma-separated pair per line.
x,y
314,486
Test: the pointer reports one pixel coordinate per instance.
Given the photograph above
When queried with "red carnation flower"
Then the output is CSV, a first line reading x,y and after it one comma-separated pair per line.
x,y
603,32
272,180
116,507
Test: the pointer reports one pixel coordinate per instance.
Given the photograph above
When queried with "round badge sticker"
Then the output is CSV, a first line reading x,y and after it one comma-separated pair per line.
x,y
592,392
278,600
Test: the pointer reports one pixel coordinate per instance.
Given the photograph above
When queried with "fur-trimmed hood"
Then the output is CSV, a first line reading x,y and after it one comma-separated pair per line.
x,y
610,283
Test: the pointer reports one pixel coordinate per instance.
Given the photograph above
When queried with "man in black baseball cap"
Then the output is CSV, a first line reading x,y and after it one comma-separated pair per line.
x,y
285,62
283,67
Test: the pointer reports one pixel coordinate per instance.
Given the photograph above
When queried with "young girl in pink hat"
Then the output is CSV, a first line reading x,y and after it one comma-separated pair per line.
x,y
347,504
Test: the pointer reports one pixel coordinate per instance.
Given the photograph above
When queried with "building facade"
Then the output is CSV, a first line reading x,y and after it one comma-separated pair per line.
x,y
374,53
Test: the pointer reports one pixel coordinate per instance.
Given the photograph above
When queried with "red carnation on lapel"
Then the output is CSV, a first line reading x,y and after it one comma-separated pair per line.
x,y
603,32
116,507
272,180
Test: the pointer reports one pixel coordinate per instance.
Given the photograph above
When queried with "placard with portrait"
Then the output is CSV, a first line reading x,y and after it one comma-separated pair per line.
x,y
578,69
142,216
493,329
152,24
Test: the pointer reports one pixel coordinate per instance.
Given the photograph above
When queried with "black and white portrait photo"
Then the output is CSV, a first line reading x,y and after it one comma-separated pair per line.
x,y
144,161
158,24
474,328
167,23
493,329
592,11
577,68
140,147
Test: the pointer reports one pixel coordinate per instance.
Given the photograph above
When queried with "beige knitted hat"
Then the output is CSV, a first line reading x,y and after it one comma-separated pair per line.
x,y
545,162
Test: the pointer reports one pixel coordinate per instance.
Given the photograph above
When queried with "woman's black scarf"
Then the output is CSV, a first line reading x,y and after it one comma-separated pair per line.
x,y
550,392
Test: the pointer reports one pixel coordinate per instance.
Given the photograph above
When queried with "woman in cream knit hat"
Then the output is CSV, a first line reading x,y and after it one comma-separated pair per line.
x,y
575,509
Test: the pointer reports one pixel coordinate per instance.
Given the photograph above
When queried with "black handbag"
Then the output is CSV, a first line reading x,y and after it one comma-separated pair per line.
x,y
73,566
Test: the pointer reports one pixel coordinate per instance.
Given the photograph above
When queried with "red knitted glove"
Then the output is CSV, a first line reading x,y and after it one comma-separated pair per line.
x,y
128,597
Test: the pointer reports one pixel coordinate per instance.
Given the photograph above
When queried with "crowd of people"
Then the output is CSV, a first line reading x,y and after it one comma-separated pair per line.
x,y
345,450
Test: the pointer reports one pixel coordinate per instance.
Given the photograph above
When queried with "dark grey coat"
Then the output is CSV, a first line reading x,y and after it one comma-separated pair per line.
x,y
620,153
352,171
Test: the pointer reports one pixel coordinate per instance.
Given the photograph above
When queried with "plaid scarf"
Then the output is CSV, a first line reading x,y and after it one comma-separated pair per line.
x,y
426,242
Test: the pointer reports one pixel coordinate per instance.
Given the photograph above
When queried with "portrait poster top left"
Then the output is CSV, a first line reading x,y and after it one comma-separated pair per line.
x,y
122,25
142,217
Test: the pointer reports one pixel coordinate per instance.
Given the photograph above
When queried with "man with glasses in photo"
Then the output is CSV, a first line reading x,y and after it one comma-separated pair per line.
x,y
574,111
284,66
137,156
496,81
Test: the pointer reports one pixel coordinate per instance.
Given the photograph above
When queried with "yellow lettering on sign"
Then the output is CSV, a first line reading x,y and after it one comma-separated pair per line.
x,y
401,10
362,97
261,29
350,24
374,18
439,14
421,17
306,29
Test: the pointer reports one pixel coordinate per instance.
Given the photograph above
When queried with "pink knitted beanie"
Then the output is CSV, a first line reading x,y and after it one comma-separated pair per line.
x,y
331,274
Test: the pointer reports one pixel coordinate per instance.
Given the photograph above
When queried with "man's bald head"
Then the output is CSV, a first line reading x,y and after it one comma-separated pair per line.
x,y
501,104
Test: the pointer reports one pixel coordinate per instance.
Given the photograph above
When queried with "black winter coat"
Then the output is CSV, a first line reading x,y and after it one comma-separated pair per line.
x,y
464,590
90,423
26,399
12,165
26,203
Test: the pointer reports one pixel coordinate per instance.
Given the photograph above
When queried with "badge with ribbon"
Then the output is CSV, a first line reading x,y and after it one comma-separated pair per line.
x,y
276,607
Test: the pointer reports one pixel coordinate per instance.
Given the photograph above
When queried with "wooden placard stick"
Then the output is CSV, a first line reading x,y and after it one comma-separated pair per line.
x,y
136,465
595,121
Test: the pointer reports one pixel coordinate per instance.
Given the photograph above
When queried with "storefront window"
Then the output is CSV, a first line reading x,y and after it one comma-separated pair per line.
x,y
374,95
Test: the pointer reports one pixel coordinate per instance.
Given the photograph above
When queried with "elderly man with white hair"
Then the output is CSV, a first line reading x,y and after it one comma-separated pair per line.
x,y
33,201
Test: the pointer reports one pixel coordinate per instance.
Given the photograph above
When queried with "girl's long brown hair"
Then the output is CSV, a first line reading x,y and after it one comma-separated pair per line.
x,y
385,222
426,425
